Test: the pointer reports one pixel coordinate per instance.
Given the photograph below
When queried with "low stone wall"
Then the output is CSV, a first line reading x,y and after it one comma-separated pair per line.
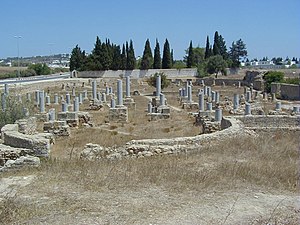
x,y
270,122
286,91
150,147
135,74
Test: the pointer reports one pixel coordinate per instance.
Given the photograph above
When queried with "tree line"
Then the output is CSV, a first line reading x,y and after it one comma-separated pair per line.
x,y
109,56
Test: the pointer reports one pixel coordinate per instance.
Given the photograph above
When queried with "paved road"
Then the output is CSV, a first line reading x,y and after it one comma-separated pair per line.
x,y
35,78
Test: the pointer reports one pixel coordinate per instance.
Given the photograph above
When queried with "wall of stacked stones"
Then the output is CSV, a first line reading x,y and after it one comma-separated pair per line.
x,y
286,91
270,121
135,74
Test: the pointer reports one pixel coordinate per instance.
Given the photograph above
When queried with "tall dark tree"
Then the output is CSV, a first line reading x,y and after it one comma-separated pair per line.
x,y
131,61
238,51
166,60
222,47
123,62
157,58
207,49
147,59
190,62
116,59
172,58
77,59
216,47
105,57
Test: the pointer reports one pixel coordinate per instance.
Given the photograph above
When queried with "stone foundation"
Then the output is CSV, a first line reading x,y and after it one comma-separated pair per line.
x,y
119,114
58,128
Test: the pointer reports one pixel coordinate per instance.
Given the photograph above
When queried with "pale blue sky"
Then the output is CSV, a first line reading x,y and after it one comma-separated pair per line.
x,y
268,27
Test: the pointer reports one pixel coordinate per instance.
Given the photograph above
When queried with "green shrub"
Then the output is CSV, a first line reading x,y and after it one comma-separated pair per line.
x,y
273,76
164,80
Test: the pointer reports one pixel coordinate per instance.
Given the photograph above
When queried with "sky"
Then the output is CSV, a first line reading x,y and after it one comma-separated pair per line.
x,y
268,27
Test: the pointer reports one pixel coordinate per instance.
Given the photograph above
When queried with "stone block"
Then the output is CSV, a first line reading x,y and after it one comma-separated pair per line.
x,y
58,128
119,114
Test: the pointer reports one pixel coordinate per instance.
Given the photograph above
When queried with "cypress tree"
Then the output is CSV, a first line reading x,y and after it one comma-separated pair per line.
x,y
130,56
116,62
207,49
166,60
147,59
222,47
172,58
105,57
123,59
157,59
216,47
190,58
77,58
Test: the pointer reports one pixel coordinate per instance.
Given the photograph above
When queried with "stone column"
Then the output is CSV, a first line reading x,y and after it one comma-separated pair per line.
x,y
113,103
179,92
110,90
94,89
51,114
201,101
187,89
202,83
73,92
119,93
273,97
248,96
56,99
128,86
85,96
278,106
150,107
37,97
3,101
213,96
48,102
247,109
107,90
28,97
189,94
64,107
42,101
265,96
205,90
6,89
235,101
68,99
217,98
76,104
208,93
158,85
99,96
208,106
218,115
80,98
103,97
161,99
239,84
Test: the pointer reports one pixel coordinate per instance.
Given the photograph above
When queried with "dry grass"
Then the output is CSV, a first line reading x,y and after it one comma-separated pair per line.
x,y
5,69
268,163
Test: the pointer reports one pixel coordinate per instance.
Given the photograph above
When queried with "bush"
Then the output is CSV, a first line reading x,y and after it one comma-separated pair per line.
x,y
14,110
294,80
164,80
273,76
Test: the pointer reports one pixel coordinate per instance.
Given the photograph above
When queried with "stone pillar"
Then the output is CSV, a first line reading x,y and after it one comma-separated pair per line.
x,y
162,99
113,103
189,94
202,83
42,101
119,93
80,98
37,97
205,90
94,89
110,90
208,91
235,101
150,107
158,85
3,101
208,106
273,97
278,106
56,99
218,115
247,109
187,89
68,99
6,89
64,107
217,98
213,96
48,102
85,96
179,92
99,96
107,90
128,86
28,97
239,84
265,96
201,101
76,104
73,92
248,96
51,114
103,97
